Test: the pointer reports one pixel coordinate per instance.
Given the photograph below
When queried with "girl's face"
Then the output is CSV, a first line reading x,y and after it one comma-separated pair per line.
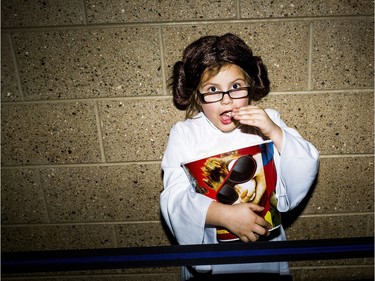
x,y
219,113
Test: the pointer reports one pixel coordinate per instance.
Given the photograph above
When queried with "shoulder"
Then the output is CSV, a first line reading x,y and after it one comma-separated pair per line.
x,y
272,113
182,140
188,125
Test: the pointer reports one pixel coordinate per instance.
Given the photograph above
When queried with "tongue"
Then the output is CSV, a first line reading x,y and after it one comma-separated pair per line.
x,y
226,118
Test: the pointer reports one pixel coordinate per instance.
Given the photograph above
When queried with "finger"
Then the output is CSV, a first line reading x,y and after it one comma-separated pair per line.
x,y
261,230
249,118
243,111
263,223
253,236
249,121
248,109
246,113
244,239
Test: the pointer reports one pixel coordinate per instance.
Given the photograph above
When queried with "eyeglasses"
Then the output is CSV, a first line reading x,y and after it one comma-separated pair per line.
x,y
242,171
239,93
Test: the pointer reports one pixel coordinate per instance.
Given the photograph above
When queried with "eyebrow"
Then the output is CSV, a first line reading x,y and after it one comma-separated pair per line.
x,y
216,84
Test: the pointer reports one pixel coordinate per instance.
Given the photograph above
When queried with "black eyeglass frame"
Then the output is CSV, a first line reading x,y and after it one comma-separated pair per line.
x,y
202,95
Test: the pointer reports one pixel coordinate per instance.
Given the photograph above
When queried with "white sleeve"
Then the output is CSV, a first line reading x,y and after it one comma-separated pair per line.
x,y
297,166
183,209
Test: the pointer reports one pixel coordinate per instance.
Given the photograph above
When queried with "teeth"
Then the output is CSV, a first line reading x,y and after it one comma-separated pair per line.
x,y
229,113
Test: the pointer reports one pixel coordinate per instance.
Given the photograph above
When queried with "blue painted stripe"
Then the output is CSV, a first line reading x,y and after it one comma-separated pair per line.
x,y
190,255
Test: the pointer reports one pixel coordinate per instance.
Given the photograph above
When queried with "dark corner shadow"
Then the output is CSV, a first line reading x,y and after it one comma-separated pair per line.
x,y
290,217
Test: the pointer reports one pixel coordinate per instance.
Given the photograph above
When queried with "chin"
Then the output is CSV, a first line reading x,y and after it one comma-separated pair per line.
x,y
227,128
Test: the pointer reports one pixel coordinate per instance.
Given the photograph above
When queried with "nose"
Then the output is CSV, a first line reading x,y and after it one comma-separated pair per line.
x,y
226,98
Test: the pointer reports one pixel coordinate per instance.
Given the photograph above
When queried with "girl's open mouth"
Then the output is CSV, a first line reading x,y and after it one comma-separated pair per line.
x,y
226,117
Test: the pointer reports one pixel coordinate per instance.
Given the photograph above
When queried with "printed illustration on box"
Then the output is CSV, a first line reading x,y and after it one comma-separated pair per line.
x,y
242,175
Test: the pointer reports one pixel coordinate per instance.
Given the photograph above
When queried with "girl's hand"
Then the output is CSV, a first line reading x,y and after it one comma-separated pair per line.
x,y
245,223
240,219
255,116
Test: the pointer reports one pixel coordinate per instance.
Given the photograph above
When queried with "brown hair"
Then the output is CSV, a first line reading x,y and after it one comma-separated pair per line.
x,y
214,52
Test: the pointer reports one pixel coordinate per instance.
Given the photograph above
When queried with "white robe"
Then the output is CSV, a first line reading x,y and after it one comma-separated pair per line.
x,y
184,210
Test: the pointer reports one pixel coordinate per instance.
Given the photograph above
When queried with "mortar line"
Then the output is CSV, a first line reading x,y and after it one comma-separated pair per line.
x,y
332,266
162,61
16,67
238,9
113,223
87,223
84,12
323,91
43,195
185,23
336,214
90,99
370,226
99,129
309,59
114,236
80,165
78,276
149,162
166,97
355,155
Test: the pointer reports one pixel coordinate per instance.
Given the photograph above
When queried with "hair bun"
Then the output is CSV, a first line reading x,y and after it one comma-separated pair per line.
x,y
261,82
181,97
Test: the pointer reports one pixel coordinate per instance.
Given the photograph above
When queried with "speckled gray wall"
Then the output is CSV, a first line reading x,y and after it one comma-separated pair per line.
x,y
86,114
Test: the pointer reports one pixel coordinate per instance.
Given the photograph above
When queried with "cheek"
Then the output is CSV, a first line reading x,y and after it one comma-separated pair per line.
x,y
242,102
209,108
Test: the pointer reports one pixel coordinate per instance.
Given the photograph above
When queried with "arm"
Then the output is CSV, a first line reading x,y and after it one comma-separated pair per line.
x,y
257,117
297,162
298,165
183,209
240,219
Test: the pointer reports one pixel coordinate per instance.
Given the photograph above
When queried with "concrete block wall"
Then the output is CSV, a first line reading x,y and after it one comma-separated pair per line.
x,y
86,112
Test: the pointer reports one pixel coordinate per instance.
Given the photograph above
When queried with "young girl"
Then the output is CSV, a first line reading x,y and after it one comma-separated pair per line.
x,y
215,83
